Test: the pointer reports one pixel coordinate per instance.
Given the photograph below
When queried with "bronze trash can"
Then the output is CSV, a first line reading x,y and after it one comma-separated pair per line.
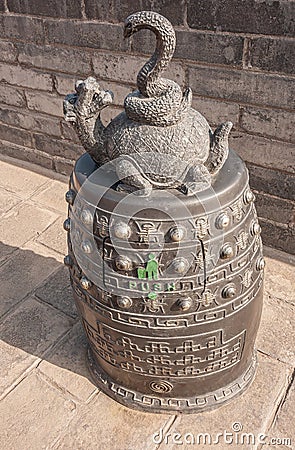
x,y
165,254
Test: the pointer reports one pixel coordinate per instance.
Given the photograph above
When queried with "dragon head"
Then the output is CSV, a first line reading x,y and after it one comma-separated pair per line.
x,y
88,100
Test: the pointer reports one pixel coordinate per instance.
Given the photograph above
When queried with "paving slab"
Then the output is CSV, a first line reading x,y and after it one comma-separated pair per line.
x,y
8,200
23,223
283,427
105,424
33,415
252,412
57,292
53,197
21,181
26,334
23,272
55,237
280,279
66,366
276,335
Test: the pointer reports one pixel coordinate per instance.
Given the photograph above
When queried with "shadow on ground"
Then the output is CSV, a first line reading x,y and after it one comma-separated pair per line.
x,y
38,312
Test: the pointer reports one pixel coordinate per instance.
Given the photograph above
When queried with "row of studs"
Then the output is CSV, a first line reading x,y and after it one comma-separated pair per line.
x,y
123,231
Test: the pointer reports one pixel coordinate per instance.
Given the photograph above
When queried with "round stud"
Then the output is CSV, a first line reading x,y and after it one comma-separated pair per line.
x,y
122,230
255,229
249,197
68,261
124,302
67,224
70,196
184,304
85,283
229,291
123,263
177,234
222,221
260,264
86,247
226,252
86,217
180,265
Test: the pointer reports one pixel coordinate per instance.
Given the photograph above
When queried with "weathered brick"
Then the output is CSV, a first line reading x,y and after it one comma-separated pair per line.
x,y
248,16
16,135
8,51
46,103
144,42
278,236
125,68
51,8
86,34
119,91
243,86
53,58
11,95
215,111
26,154
275,208
25,77
22,28
30,121
213,48
268,122
109,114
174,10
274,55
117,11
68,132
56,147
63,166
109,11
264,152
272,181
65,84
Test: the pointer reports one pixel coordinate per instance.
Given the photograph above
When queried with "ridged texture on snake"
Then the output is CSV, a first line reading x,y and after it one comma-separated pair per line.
x,y
158,101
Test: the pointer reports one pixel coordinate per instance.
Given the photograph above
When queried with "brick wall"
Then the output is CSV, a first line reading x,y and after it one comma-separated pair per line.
x,y
237,55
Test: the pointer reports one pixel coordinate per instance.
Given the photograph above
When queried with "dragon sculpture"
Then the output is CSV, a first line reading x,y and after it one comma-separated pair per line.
x,y
159,140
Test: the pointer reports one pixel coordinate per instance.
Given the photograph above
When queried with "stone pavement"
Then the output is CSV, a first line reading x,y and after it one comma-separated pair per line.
x,y
47,398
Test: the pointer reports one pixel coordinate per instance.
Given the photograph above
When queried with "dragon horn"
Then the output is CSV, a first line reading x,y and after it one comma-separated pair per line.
x,y
219,148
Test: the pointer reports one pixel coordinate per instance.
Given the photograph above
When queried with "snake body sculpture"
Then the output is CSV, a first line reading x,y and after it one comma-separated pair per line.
x,y
159,141
158,101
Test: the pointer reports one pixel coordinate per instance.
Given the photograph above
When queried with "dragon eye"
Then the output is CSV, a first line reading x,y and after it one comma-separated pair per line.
x,y
128,25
